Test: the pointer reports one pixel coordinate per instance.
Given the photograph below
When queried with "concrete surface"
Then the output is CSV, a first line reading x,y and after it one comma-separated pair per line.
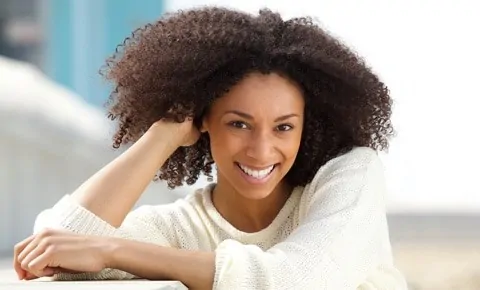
x,y
8,280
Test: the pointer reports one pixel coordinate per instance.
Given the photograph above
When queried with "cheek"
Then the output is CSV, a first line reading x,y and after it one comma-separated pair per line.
x,y
290,148
223,145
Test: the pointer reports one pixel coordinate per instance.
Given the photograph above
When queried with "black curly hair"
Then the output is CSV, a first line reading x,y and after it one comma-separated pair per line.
x,y
177,66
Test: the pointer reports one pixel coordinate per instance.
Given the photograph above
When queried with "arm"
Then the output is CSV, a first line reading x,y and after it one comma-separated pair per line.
x,y
147,224
112,192
100,206
195,269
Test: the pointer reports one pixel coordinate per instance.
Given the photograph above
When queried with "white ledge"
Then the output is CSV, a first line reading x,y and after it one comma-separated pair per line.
x,y
8,280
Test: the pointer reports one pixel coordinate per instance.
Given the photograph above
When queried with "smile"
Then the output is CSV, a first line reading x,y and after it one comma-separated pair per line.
x,y
255,173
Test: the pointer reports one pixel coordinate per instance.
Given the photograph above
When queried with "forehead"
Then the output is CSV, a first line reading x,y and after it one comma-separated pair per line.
x,y
262,94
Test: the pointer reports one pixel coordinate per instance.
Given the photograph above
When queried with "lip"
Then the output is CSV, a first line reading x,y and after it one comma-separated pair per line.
x,y
256,181
259,168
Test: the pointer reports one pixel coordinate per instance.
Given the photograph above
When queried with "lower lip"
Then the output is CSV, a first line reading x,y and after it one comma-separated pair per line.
x,y
253,180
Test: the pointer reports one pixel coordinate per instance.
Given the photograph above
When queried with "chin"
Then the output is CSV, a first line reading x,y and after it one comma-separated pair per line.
x,y
255,193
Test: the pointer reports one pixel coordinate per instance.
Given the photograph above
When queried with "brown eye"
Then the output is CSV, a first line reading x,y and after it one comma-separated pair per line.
x,y
238,124
284,127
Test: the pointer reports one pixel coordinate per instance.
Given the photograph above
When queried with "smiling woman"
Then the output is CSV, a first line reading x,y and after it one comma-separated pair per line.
x,y
292,120
255,131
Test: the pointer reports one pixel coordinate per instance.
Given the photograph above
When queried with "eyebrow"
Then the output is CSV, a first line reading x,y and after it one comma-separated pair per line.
x,y
250,117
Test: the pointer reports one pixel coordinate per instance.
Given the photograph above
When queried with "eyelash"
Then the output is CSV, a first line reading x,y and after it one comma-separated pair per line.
x,y
240,124
290,127
236,123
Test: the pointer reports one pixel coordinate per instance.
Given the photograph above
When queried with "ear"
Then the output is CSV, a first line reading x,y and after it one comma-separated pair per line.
x,y
204,126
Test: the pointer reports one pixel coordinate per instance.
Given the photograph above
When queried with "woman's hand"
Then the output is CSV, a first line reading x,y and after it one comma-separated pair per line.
x,y
178,134
56,251
53,251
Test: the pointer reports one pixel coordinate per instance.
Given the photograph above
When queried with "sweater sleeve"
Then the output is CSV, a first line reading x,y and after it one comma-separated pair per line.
x,y
341,243
142,224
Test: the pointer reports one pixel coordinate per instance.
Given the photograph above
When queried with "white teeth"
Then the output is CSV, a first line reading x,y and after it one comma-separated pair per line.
x,y
259,174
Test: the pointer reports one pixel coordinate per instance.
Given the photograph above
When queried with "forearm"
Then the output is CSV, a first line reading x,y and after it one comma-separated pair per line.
x,y
195,269
112,192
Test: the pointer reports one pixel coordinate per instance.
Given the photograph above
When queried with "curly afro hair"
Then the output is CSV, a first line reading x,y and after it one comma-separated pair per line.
x,y
177,66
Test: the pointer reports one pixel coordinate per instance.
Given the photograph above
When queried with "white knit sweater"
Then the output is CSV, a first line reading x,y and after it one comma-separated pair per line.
x,y
331,234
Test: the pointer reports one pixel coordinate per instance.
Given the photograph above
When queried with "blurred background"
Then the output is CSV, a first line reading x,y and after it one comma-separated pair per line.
x,y
54,134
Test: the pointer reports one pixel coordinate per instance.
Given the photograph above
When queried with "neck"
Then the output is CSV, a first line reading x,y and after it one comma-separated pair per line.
x,y
249,215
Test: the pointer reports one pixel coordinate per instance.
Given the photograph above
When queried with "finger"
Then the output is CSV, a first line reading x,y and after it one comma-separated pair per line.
x,y
21,245
29,276
47,272
58,270
26,250
18,269
43,265
16,251
32,264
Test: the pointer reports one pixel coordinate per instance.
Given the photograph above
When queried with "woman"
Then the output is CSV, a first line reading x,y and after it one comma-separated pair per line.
x,y
292,120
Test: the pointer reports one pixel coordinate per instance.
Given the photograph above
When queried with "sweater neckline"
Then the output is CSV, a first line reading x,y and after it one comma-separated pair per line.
x,y
281,217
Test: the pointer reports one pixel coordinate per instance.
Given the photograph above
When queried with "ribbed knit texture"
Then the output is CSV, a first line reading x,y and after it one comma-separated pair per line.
x,y
330,234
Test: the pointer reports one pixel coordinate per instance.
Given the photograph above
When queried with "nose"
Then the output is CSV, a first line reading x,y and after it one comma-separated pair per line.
x,y
260,146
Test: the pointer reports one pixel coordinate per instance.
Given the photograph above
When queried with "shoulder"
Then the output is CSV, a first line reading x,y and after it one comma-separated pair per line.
x,y
350,177
358,162
356,157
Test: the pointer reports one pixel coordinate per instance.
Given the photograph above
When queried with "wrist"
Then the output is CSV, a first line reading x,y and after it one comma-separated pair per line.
x,y
154,262
111,248
160,132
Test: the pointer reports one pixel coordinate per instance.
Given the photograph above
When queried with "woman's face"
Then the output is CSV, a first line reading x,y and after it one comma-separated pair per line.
x,y
255,132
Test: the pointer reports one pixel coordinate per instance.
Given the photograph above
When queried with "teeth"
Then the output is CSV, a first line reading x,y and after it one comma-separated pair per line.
x,y
259,174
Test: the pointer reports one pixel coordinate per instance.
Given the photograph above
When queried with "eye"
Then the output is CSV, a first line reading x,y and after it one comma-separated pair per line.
x,y
238,124
284,127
